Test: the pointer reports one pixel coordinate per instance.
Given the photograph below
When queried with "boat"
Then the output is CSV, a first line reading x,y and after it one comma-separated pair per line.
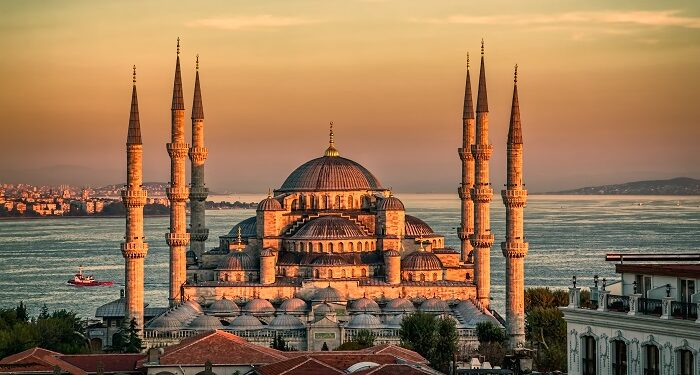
x,y
80,279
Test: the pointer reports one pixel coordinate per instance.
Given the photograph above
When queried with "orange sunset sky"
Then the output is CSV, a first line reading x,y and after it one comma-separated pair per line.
x,y
608,90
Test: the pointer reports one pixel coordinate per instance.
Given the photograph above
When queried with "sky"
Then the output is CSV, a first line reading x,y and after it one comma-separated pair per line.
x,y
608,90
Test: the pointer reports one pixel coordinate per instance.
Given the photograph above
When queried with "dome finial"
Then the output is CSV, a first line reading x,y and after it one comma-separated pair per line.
x,y
467,60
238,237
420,241
515,75
178,46
134,77
482,46
197,62
331,150
269,192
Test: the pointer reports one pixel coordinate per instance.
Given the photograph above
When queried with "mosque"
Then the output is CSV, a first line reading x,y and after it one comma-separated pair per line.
x,y
329,252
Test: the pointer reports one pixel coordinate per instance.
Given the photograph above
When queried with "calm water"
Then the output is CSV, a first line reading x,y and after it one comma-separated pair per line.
x,y
567,234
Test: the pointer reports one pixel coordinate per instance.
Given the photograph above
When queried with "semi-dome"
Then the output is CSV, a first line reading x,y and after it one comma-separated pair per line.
x,y
206,322
267,252
224,306
182,314
286,322
192,305
399,305
269,204
364,321
328,294
434,305
258,306
416,227
391,253
421,261
248,228
390,204
329,227
164,323
245,322
293,306
365,305
238,261
330,173
330,260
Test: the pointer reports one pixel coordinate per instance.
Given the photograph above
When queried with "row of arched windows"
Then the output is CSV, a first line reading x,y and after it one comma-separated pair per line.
x,y
328,202
330,247
422,276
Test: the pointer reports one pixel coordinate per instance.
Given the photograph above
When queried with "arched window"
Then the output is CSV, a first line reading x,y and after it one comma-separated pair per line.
x,y
312,202
338,202
320,247
685,362
316,274
367,248
350,203
422,277
352,272
589,356
351,246
330,274
651,359
294,205
359,246
434,243
330,247
364,272
619,357
410,276
340,247
238,277
284,272
434,276
250,277
226,277
311,247
345,273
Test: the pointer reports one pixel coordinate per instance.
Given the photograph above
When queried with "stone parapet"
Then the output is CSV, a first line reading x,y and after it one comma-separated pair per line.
x,y
134,250
464,192
514,249
177,194
465,154
199,234
178,150
482,194
482,152
134,198
199,193
482,240
198,154
177,239
514,198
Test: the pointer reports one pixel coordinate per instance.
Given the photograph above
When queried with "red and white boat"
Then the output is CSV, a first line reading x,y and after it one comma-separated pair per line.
x,y
79,279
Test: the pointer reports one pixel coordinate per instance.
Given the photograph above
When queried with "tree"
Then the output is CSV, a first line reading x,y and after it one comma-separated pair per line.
x,y
446,345
489,332
120,339
433,338
365,338
21,312
44,312
324,348
134,344
546,328
279,344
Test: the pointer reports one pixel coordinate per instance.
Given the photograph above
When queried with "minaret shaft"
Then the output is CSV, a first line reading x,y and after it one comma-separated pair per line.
x,y
198,192
482,239
515,248
134,249
178,192
467,205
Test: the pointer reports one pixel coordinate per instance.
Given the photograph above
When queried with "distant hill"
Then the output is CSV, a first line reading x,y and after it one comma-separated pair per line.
x,y
674,186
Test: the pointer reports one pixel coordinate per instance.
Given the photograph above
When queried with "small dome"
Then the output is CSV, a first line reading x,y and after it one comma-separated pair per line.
x,y
421,261
164,323
328,294
259,306
399,305
364,321
365,305
269,204
248,228
286,322
293,306
330,260
267,252
390,204
416,227
323,309
182,315
434,305
192,305
206,322
329,228
245,322
224,306
391,253
238,261
397,320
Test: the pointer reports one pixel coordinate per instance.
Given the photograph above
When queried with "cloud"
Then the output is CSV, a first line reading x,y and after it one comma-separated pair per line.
x,y
261,21
641,18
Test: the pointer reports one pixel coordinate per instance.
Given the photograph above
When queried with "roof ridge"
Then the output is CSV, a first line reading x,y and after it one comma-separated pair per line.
x,y
188,344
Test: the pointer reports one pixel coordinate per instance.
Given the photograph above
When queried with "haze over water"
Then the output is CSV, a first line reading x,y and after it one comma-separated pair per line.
x,y
567,234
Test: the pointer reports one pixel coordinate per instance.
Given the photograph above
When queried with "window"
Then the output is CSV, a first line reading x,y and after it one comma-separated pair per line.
x,y
685,362
330,247
588,356
643,284
340,247
619,357
422,277
351,246
687,289
651,360
330,274
364,272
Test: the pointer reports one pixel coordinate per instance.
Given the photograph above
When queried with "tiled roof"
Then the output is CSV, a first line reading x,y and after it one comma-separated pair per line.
x,y
221,348
30,360
42,360
304,365
396,351
323,362
330,173
109,362
247,228
415,227
397,369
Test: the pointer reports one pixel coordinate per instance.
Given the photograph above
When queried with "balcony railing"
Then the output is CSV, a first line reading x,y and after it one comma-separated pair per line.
x,y
650,306
684,310
618,303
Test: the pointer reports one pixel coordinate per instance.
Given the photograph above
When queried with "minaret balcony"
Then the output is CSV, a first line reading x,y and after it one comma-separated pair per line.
x,y
483,241
198,154
514,249
464,192
177,150
198,193
482,194
134,250
134,198
177,239
482,152
514,198
199,234
465,154
177,194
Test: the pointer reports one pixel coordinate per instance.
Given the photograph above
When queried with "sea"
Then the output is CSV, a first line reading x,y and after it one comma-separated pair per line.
x,y
568,235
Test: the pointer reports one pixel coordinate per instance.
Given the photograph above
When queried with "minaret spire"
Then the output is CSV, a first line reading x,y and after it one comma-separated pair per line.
x,y
467,212
198,155
134,249
177,238
482,239
515,248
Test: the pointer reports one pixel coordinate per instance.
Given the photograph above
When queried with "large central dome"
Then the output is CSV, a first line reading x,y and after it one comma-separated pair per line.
x,y
330,173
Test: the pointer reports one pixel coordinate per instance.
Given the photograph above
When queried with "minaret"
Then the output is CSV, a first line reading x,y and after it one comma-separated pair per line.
x,y
465,154
515,247
134,248
198,192
482,239
177,238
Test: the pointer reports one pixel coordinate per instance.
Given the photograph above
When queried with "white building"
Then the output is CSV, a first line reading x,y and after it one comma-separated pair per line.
x,y
646,323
